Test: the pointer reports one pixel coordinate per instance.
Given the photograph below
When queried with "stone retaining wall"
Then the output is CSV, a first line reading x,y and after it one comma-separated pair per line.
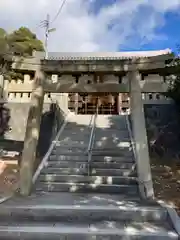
x,y
162,123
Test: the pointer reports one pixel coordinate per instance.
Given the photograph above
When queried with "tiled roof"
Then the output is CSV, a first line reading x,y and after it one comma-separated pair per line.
x,y
102,55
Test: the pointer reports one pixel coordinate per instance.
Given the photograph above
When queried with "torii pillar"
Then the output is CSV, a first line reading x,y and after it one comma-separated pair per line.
x,y
140,136
32,134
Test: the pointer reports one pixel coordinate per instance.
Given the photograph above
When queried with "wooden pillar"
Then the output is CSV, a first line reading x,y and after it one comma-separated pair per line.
x,y
76,102
119,103
32,134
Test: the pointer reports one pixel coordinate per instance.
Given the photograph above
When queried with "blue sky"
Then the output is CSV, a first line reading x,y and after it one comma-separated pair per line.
x,y
99,25
171,32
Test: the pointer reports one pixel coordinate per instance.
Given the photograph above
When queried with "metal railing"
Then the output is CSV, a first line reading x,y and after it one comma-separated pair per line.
x,y
91,142
131,136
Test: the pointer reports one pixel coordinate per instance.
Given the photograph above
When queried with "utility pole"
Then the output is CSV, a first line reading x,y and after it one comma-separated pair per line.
x,y
47,22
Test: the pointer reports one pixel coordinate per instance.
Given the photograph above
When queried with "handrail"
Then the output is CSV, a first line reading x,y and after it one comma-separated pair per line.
x,y
131,136
91,135
91,141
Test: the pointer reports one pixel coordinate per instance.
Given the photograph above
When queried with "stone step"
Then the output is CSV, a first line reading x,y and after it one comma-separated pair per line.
x,y
69,147
86,188
75,138
111,138
75,126
71,132
120,126
74,144
110,131
73,198
73,157
73,135
112,159
104,165
87,179
98,152
68,150
81,158
65,210
105,131
93,171
116,144
109,152
80,121
113,149
111,230
102,131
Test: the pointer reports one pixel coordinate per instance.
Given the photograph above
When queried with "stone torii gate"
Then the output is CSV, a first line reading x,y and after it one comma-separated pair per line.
x,y
134,73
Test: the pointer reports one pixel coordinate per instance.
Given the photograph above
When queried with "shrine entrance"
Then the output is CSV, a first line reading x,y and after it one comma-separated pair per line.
x,y
100,103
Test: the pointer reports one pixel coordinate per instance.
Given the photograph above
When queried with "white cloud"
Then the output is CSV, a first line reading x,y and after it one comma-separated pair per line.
x,y
124,23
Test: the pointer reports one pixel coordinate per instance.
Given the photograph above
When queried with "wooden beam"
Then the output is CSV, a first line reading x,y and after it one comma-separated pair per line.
x,y
32,134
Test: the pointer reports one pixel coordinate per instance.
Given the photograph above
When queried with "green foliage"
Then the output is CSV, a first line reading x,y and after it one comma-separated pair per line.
x,y
21,42
3,42
174,91
174,86
2,32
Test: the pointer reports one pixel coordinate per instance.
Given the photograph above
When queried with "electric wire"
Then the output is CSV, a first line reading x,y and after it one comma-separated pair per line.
x,y
59,11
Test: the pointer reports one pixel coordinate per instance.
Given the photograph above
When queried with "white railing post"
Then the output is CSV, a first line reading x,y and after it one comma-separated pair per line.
x,y
91,141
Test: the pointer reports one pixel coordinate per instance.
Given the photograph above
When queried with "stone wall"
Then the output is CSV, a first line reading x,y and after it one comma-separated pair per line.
x,y
18,119
162,123
163,132
16,99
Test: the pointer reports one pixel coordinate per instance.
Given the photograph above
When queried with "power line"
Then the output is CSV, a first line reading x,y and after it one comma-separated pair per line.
x,y
59,11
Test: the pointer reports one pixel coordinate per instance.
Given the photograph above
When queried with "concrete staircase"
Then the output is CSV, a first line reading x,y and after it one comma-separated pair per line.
x,y
87,196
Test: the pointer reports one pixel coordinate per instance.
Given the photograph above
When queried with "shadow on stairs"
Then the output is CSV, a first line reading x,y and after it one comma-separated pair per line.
x,y
77,199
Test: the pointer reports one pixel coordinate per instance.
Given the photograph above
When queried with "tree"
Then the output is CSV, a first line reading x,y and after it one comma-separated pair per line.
x,y
174,83
21,42
3,42
4,49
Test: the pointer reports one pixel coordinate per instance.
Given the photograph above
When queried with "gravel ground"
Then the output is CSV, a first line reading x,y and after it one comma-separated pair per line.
x,y
166,180
9,177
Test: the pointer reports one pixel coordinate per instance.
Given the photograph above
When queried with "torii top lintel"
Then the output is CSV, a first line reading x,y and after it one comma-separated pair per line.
x,y
94,61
